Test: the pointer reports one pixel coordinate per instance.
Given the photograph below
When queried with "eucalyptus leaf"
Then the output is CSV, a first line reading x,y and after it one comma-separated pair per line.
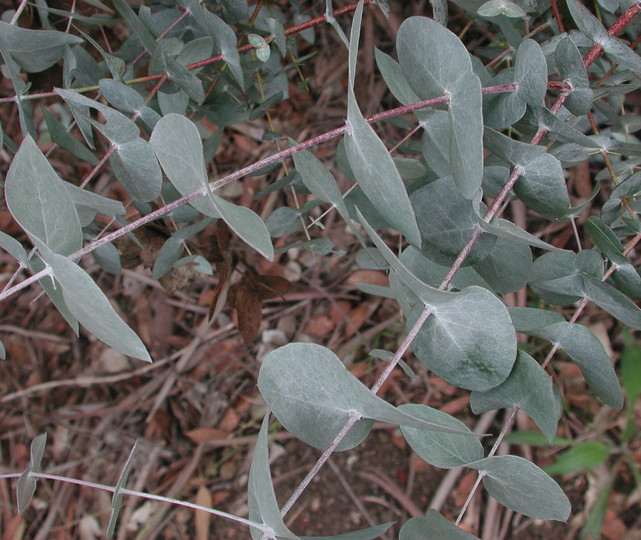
x,y
36,50
126,99
14,248
507,268
67,141
591,27
466,134
136,25
289,380
377,175
263,507
116,498
432,58
26,485
135,165
428,295
185,79
98,203
469,340
92,308
39,202
370,161
224,39
445,450
558,277
528,388
434,527
588,353
523,487
447,221
531,73
177,144
614,302
570,66
54,292
320,181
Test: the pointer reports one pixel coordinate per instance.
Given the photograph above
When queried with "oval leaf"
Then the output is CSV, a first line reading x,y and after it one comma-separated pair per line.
x,y
469,341
529,388
313,395
523,487
39,202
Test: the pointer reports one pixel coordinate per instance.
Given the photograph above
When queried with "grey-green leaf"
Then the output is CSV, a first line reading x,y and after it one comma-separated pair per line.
x,y
320,181
263,507
224,38
447,221
92,308
314,411
26,485
614,302
444,450
466,134
432,58
469,341
177,144
529,388
14,248
531,73
370,161
588,353
558,277
570,66
136,25
116,498
427,294
36,50
39,202
433,527
134,163
65,139
523,487
377,175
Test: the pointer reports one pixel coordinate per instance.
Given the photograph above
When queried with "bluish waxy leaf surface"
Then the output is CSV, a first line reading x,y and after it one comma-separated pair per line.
x,y
26,485
263,507
92,308
530,389
377,175
177,144
569,63
588,353
427,294
444,450
313,395
39,202
523,487
67,141
447,221
134,163
36,50
469,341
433,527
116,498
435,63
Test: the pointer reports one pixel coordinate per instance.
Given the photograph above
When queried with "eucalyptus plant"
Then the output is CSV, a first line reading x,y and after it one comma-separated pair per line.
x,y
492,126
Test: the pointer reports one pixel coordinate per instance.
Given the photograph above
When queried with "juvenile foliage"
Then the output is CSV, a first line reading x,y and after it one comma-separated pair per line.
x,y
488,134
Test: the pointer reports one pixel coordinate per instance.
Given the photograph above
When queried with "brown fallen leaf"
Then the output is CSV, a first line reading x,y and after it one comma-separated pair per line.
x,y
202,519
